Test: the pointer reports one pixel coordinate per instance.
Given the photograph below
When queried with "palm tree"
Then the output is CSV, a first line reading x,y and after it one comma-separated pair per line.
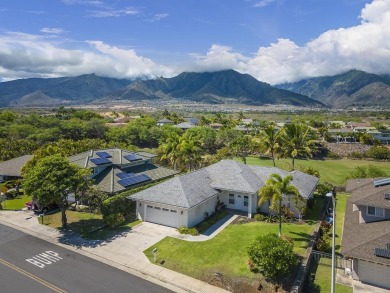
x,y
190,152
270,141
170,149
274,190
296,141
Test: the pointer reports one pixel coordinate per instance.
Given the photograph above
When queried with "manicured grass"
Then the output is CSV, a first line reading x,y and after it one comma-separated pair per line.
x,y
225,253
341,204
89,226
79,222
322,281
332,171
16,203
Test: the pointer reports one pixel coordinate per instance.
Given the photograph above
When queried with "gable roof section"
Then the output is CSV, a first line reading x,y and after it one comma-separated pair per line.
x,y
191,189
14,166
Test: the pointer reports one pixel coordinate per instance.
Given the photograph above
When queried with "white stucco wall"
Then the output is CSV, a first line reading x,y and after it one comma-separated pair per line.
x,y
265,208
197,213
238,201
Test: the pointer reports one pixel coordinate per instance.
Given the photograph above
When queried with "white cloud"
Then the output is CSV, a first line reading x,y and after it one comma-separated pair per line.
x,y
158,17
263,3
109,12
52,30
26,55
365,47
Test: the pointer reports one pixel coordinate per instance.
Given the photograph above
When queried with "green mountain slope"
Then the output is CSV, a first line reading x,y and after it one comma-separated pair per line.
x,y
353,88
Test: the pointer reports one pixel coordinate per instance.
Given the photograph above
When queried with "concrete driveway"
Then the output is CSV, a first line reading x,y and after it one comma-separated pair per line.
x,y
128,248
359,287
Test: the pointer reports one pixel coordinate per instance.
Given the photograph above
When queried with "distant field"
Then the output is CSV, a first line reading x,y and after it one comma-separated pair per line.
x,y
332,171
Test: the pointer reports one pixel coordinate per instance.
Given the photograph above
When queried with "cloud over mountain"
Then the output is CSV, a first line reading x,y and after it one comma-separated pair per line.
x,y
365,46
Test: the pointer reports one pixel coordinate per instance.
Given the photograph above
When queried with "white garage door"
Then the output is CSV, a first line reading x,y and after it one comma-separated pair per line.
x,y
374,274
160,215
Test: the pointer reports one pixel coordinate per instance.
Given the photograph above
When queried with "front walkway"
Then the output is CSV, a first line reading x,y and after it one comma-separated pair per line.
x,y
124,252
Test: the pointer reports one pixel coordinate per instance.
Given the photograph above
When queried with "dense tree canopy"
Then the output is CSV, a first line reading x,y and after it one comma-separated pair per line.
x,y
51,179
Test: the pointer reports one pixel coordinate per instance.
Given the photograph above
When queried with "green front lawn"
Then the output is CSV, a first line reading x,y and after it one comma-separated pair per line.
x,y
89,226
16,203
225,253
322,280
332,171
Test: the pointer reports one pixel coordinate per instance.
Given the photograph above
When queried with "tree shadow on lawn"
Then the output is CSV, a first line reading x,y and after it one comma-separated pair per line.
x,y
301,236
91,233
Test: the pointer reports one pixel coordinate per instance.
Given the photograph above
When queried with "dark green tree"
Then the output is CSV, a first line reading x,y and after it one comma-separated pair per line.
x,y
51,179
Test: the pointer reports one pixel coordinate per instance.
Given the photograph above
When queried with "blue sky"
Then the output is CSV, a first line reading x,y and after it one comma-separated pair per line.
x,y
274,40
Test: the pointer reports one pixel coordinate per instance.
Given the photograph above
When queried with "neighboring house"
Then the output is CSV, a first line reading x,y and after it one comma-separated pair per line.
x,y
383,136
342,135
335,123
186,200
192,120
12,169
116,170
366,236
216,125
163,122
184,126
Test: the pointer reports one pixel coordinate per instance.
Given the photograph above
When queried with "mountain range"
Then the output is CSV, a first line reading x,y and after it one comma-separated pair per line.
x,y
227,86
349,89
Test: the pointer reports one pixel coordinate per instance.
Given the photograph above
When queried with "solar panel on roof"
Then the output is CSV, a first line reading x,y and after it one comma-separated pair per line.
x,y
132,157
382,182
124,175
100,161
382,252
129,181
103,154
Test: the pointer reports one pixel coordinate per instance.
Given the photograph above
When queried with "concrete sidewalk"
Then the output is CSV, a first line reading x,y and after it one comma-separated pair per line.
x,y
117,252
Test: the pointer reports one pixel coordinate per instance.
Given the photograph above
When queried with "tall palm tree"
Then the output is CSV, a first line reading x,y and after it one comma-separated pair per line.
x,y
190,152
170,149
270,141
275,189
296,141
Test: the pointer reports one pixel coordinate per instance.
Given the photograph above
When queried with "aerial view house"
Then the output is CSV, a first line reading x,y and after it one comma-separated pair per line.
x,y
116,170
366,236
186,200
12,169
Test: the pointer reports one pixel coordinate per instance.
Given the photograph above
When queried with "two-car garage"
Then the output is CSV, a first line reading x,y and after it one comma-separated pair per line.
x,y
161,215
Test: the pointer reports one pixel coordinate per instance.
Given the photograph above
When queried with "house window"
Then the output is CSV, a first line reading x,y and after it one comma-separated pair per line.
x,y
95,170
376,212
231,198
246,201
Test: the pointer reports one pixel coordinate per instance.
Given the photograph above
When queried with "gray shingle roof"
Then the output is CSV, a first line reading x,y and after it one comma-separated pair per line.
x,y
190,189
14,166
185,125
359,240
365,193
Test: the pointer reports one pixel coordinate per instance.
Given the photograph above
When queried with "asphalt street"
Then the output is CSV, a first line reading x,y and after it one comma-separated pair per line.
x,y
29,264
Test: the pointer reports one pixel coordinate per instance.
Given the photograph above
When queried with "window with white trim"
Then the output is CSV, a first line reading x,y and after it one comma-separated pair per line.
x,y
231,198
246,201
376,212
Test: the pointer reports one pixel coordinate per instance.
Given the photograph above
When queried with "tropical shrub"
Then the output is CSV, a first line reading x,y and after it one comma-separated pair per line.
x,y
379,153
114,220
274,255
190,231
